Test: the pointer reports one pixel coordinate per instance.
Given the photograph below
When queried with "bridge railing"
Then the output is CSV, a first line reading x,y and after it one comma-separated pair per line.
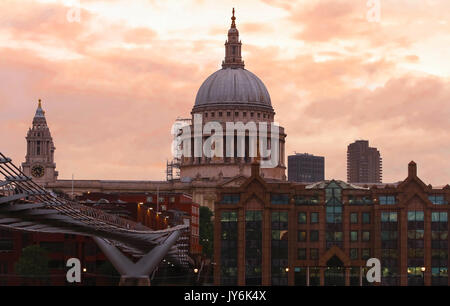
x,y
19,183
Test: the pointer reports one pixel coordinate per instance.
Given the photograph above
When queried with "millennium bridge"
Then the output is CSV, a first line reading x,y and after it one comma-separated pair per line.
x,y
26,206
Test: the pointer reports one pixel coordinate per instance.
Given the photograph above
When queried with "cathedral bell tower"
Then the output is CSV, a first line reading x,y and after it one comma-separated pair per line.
x,y
233,56
39,162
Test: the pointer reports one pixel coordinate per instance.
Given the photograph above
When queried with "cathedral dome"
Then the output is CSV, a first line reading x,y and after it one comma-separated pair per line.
x,y
233,87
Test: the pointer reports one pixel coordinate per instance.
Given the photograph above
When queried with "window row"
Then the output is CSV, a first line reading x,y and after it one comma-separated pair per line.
x,y
236,114
352,200
314,218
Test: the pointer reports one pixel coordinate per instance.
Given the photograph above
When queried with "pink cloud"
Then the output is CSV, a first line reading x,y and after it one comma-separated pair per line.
x,y
111,109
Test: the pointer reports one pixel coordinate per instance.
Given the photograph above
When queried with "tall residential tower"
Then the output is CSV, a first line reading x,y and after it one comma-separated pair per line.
x,y
364,164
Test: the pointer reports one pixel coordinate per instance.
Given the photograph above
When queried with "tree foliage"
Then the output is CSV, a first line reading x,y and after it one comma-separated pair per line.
x,y
33,263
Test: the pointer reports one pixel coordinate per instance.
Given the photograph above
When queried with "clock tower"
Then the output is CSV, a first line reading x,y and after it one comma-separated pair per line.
x,y
39,162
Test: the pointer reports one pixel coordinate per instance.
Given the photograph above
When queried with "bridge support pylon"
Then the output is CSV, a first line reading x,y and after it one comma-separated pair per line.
x,y
142,281
136,274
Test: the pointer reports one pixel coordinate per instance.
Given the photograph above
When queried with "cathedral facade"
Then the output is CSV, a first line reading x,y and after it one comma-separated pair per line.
x,y
230,95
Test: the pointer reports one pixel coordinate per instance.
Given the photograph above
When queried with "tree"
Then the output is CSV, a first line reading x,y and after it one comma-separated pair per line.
x,y
33,264
206,231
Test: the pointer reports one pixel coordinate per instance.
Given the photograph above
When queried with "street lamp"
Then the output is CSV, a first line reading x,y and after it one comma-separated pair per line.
x,y
195,270
423,269
287,269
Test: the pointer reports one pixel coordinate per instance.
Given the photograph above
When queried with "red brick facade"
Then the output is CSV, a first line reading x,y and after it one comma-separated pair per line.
x,y
327,231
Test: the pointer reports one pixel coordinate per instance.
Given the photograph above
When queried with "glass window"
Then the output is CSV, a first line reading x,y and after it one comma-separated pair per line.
x,y
228,216
387,200
314,254
279,248
419,216
228,248
314,217
366,218
301,236
437,199
301,255
231,198
354,218
439,216
313,236
333,202
253,247
353,236
393,217
279,198
415,216
306,200
365,253
302,218
365,236
353,254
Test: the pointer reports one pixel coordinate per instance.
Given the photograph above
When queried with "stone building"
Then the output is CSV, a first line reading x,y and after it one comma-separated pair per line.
x,y
39,161
232,94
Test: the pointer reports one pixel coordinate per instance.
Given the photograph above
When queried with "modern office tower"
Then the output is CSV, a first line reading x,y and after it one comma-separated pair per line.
x,y
306,168
364,164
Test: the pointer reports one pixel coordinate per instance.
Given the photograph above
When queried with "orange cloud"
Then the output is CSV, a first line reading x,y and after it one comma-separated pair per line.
x,y
333,77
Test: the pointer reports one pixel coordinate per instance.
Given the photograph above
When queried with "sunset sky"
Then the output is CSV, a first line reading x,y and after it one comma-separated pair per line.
x,y
113,83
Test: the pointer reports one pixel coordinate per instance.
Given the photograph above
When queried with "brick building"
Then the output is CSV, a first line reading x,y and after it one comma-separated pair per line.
x,y
60,248
173,209
283,233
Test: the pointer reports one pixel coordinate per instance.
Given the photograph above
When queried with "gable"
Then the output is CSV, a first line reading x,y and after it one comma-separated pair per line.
x,y
253,203
416,202
235,182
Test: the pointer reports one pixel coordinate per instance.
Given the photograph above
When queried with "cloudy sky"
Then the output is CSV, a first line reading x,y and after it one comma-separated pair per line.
x,y
113,83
